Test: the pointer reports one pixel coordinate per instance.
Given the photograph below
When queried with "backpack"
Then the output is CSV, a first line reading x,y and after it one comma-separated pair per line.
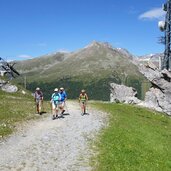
x,y
55,97
38,95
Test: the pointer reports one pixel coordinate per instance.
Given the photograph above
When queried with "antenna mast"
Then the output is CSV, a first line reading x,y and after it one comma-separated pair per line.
x,y
166,27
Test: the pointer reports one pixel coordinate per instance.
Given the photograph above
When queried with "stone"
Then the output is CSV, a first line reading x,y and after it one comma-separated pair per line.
x,y
23,92
123,94
7,87
159,95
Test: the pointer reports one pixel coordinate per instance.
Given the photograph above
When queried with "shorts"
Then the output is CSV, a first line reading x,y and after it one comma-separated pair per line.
x,y
83,102
55,105
38,102
62,104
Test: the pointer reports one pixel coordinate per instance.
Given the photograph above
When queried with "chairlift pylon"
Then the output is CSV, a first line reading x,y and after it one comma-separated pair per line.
x,y
7,68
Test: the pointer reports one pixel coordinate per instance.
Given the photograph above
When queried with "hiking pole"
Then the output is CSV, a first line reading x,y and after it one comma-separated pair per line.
x,y
80,105
35,104
65,106
42,106
52,110
51,107
87,107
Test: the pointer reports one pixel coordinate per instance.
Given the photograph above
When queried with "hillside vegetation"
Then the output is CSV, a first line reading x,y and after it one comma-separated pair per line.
x,y
91,68
135,139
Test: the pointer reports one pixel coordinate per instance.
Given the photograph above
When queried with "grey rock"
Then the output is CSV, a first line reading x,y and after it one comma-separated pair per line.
x,y
153,58
159,96
151,100
123,94
7,87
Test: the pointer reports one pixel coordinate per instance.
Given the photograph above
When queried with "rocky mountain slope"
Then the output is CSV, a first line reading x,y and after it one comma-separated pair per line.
x,y
91,68
154,58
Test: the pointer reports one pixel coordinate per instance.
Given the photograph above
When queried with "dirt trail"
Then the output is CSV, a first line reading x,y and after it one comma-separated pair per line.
x,y
53,145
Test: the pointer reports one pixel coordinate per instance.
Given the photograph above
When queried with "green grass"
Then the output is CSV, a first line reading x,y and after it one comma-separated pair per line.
x,y
136,139
14,109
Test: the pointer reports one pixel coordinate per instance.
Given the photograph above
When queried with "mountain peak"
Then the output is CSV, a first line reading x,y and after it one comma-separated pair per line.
x,y
125,52
99,44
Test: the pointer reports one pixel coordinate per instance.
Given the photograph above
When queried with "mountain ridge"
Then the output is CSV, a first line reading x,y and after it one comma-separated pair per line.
x,y
92,67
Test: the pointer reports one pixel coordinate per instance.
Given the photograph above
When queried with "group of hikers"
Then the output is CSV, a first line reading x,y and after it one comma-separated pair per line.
x,y
58,101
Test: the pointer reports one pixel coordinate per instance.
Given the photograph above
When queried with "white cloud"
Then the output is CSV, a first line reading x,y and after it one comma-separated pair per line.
x,y
155,13
25,56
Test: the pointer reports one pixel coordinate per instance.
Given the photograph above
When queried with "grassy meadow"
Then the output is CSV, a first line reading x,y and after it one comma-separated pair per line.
x,y
15,108
136,139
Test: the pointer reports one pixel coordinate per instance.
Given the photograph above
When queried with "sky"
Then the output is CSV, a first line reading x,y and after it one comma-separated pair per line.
x,y
32,28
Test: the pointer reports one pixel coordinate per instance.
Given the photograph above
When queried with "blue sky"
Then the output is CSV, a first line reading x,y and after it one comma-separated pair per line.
x,y
31,28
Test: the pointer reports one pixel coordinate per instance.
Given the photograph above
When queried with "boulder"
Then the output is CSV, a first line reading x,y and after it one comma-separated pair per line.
x,y
159,95
123,94
7,87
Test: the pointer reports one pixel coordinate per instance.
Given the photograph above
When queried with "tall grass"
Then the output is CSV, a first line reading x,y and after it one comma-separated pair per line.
x,y
136,139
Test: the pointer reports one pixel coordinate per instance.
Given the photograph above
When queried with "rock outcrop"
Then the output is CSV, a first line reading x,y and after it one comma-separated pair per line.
x,y
7,87
159,95
123,94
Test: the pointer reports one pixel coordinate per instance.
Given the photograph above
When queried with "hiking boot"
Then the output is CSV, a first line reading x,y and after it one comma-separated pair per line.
x,y
63,112
53,117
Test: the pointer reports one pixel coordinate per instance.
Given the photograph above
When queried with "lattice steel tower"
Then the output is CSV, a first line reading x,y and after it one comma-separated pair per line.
x,y
166,27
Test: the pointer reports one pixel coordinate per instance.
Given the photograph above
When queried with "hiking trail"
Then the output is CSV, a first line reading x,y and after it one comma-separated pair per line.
x,y
53,145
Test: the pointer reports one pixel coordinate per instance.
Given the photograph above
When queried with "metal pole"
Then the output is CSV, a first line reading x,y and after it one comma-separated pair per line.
x,y
169,35
166,63
25,82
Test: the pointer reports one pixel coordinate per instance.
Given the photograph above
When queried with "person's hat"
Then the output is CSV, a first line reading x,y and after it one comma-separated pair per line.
x,y
56,89
37,88
61,88
82,91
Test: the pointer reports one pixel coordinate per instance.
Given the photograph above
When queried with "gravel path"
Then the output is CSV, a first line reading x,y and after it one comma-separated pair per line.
x,y
53,145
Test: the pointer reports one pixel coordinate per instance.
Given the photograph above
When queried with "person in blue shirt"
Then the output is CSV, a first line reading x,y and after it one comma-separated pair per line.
x,y
55,101
63,99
